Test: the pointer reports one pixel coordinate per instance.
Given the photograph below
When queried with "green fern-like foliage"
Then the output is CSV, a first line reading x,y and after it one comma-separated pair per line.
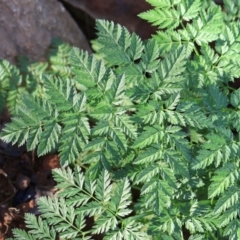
x,y
154,125
10,82
184,23
202,29
81,199
27,77
232,10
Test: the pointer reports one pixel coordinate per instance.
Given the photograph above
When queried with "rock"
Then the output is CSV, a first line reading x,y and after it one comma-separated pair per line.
x,y
27,206
120,11
44,173
23,196
50,161
22,181
27,28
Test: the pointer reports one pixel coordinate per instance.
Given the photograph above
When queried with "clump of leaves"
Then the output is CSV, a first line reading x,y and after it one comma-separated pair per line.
x,y
27,77
148,136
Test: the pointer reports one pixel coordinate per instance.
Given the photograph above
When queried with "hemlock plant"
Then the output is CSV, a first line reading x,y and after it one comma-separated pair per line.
x,y
148,136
